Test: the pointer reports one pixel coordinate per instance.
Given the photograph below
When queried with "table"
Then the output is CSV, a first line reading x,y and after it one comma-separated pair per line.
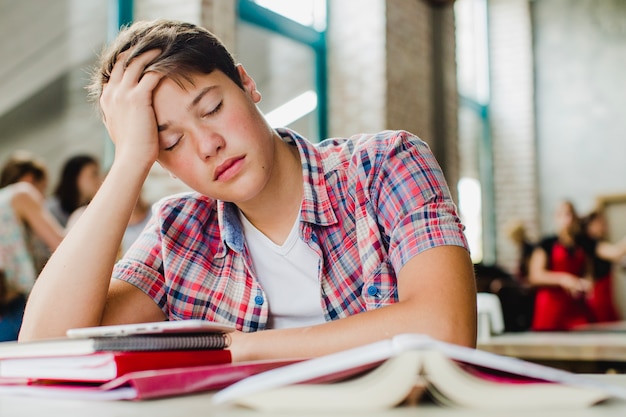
x,y
588,352
200,405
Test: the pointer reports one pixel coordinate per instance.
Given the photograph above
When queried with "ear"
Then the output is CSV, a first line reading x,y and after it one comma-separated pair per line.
x,y
248,83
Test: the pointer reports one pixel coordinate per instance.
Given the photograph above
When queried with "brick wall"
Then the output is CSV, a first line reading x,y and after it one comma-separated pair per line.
x,y
421,77
449,108
512,122
187,10
220,17
356,67
410,68
396,84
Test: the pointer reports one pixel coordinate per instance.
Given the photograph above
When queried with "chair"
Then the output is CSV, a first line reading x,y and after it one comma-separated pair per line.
x,y
490,319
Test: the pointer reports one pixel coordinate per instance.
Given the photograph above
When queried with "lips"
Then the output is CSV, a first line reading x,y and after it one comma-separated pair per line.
x,y
225,166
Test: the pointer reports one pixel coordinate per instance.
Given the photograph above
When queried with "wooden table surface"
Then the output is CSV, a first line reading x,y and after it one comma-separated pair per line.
x,y
592,351
609,346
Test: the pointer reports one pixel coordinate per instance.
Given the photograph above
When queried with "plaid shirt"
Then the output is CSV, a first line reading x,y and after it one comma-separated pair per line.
x,y
371,203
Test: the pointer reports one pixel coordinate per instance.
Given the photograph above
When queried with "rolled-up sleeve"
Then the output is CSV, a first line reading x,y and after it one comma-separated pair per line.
x,y
413,201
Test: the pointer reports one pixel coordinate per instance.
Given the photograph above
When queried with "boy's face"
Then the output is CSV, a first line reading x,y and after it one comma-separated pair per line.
x,y
212,136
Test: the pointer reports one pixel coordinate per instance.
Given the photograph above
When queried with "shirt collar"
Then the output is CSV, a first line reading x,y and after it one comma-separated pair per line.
x,y
316,205
230,226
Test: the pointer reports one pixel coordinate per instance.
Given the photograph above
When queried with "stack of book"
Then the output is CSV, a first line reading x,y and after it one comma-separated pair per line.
x,y
138,361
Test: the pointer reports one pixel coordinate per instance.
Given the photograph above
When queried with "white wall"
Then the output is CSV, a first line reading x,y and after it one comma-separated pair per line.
x,y
580,53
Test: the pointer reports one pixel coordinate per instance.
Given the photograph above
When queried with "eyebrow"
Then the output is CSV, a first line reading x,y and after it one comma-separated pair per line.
x,y
193,103
200,96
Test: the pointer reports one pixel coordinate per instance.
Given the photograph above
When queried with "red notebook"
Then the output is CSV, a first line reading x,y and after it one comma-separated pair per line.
x,y
144,385
106,366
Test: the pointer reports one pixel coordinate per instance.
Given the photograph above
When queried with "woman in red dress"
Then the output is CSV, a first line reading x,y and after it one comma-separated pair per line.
x,y
603,254
561,271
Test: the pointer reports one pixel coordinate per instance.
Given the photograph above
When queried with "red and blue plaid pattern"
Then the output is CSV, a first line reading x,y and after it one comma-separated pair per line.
x,y
371,203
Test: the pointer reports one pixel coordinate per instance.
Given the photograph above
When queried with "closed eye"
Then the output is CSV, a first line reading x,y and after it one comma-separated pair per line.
x,y
215,110
171,147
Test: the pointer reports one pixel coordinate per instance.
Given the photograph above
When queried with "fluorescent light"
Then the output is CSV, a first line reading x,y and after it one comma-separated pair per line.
x,y
292,110
310,13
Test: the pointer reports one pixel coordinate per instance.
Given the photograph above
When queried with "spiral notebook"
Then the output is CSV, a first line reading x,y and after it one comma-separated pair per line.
x,y
214,337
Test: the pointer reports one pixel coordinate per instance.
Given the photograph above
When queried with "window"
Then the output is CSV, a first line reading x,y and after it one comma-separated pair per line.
x,y
476,178
283,47
310,13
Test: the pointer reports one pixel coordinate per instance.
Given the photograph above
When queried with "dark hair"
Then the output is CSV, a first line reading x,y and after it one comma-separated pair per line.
x,y
595,214
22,163
575,229
67,189
186,49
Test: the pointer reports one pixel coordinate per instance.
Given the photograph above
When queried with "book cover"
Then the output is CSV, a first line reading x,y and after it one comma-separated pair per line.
x,y
105,366
413,363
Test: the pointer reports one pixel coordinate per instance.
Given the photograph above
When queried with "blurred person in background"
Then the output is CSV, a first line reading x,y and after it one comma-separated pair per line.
x,y
80,179
561,272
516,231
138,221
603,254
517,296
23,216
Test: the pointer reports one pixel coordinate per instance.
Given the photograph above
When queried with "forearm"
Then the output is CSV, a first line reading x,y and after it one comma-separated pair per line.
x,y
539,274
574,285
71,290
349,332
437,297
613,252
549,278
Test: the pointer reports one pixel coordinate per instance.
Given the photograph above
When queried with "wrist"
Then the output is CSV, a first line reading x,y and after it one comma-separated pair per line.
x,y
129,168
564,281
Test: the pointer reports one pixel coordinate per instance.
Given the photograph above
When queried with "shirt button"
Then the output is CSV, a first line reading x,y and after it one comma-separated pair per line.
x,y
372,290
258,300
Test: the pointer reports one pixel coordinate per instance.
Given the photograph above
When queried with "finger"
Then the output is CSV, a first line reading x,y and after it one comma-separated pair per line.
x,y
150,80
127,78
118,68
115,77
137,66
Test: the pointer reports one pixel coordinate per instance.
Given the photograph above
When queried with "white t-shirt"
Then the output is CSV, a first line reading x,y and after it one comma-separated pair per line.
x,y
288,274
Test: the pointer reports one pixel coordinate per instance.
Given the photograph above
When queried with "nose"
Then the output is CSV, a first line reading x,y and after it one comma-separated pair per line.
x,y
208,143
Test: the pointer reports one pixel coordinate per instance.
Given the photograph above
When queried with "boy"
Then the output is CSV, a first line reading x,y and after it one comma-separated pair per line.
x,y
330,246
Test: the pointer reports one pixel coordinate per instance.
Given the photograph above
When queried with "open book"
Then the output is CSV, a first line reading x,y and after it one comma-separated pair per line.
x,y
406,364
